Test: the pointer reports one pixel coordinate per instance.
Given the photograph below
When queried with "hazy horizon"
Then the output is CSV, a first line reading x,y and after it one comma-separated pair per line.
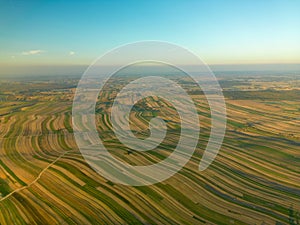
x,y
78,70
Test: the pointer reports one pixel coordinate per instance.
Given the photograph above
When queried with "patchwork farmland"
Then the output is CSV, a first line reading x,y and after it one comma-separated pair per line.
x,y
255,179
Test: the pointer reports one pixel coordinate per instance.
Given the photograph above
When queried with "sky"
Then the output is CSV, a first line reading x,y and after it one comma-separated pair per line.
x,y
58,33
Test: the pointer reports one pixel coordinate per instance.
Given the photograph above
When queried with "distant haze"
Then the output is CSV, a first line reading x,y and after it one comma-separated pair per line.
x,y
78,70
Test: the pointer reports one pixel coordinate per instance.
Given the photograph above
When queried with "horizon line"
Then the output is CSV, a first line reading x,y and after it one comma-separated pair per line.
x,y
209,64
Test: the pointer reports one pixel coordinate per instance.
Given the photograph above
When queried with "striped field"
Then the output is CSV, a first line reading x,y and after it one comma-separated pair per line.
x,y
255,179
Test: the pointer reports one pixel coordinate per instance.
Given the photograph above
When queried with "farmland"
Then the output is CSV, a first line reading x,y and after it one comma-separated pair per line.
x,y
255,179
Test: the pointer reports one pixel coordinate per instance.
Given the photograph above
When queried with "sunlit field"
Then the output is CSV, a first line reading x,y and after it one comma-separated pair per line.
x,y
255,179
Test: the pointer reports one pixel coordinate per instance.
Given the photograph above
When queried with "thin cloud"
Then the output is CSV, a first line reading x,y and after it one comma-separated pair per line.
x,y
72,53
33,52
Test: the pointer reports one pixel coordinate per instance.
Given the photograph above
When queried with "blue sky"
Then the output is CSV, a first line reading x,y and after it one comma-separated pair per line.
x,y
77,32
